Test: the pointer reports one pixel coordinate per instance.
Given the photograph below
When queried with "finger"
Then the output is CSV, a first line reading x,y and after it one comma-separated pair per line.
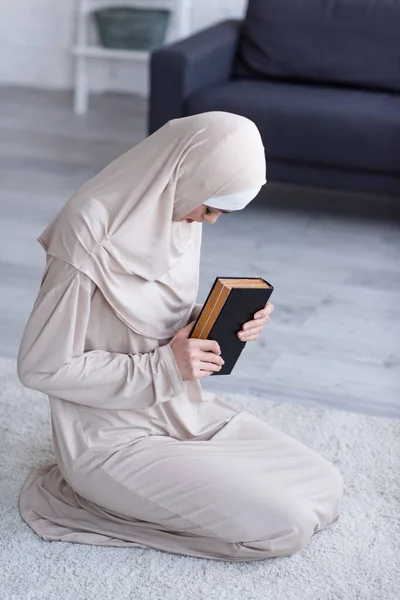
x,y
211,357
260,315
207,366
203,374
255,329
250,338
207,345
244,335
267,310
256,323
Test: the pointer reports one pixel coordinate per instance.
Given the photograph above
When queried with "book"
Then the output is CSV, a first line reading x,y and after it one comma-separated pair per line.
x,y
231,302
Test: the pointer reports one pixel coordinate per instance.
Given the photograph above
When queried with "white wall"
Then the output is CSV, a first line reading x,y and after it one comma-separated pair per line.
x,y
36,38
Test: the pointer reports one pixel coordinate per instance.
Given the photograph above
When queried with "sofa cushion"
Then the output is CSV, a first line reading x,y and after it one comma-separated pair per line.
x,y
349,42
320,125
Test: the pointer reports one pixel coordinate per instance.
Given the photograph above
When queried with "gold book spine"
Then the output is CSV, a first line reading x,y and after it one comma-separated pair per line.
x,y
210,314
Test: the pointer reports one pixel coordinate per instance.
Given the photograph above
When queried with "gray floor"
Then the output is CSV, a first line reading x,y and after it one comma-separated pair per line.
x,y
334,336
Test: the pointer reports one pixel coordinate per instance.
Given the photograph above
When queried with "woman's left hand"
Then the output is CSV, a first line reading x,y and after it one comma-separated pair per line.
x,y
252,329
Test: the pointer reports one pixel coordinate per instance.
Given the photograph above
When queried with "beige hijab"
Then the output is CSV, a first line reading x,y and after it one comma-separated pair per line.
x,y
122,228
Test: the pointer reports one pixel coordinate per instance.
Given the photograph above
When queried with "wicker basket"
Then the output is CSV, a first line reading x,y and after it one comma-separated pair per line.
x,y
128,28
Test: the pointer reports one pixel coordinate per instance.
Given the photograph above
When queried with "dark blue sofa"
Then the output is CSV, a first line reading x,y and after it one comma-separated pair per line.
x,y
320,78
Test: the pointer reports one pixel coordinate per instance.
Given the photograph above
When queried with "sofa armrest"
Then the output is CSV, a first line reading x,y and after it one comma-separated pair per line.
x,y
180,69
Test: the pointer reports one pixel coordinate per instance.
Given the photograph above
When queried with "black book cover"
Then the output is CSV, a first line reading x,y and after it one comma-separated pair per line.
x,y
239,307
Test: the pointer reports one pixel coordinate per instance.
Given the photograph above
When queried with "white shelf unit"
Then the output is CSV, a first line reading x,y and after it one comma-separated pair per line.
x,y
86,48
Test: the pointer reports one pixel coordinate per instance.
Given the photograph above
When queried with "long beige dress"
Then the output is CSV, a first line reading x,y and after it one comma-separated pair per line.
x,y
147,459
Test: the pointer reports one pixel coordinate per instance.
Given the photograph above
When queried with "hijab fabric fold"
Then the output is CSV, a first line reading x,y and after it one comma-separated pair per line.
x,y
123,227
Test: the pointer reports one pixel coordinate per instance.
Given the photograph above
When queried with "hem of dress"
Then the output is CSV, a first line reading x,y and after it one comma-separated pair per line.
x,y
26,513
31,519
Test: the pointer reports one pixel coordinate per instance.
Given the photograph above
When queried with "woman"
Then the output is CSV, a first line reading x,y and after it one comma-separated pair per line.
x,y
143,456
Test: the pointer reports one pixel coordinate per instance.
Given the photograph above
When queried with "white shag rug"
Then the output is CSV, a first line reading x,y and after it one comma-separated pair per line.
x,y
358,558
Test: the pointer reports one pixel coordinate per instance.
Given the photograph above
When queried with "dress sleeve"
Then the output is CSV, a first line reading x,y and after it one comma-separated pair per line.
x,y
52,359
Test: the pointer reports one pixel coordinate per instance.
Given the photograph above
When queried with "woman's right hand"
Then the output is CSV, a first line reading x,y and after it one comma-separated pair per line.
x,y
195,358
